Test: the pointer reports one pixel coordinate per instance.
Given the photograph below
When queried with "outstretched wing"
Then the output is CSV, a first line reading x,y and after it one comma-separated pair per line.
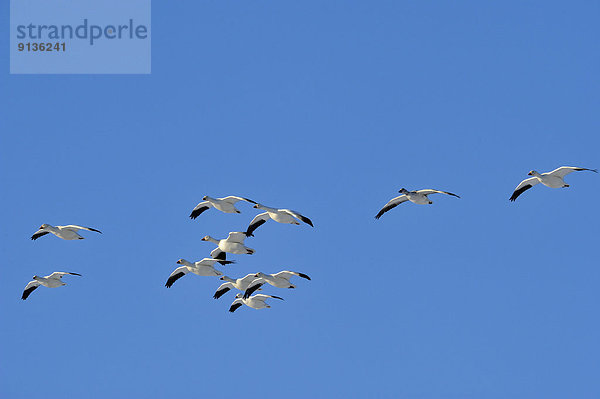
x,y
432,191
394,202
223,288
287,274
253,286
60,274
297,215
263,297
232,199
211,262
201,207
258,220
236,236
236,304
565,170
38,234
74,227
29,288
523,186
176,275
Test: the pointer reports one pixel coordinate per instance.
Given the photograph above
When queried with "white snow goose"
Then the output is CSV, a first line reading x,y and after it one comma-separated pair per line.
x,y
239,284
51,281
205,267
417,197
278,215
279,280
225,204
552,179
65,232
255,302
234,244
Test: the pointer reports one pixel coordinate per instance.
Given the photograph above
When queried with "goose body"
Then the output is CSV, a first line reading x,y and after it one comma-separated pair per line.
x,y
419,197
205,267
279,215
554,179
68,232
233,244
239,284
51,281
225,204
279,280
255,301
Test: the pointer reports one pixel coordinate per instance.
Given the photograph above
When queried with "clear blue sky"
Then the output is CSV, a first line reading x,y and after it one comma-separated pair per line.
x,y
327,108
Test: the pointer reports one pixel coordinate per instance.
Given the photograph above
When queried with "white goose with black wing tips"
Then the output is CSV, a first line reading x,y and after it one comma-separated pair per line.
x,y
279,215
65,232
225,204
554,179
233,244
51,281
238,284
205,267
416,197
279,280
255,301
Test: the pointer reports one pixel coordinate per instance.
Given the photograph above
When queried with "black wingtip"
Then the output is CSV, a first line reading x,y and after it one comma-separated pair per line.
x,y
277,297
303,276
27,292
234,307
248,234
226,262
196,212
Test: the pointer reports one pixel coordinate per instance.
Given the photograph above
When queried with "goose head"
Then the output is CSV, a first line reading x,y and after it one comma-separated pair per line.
x,y
533,173
45,225
403,191
206,238
182,261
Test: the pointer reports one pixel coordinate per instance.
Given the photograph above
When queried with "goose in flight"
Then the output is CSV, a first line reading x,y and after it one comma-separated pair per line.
x,y
552,179
225,204
255,302
234,244
51,281
65,232
205,267
417,197
278,215
239,284
279,280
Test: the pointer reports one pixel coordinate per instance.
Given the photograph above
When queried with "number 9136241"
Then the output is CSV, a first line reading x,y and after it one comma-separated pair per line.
x,y
42,46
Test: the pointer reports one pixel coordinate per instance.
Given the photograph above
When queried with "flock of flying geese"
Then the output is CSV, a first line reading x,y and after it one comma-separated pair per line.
x,y
234,243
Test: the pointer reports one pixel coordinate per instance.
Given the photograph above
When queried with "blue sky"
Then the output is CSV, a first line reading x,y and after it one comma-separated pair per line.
x,y
328,108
